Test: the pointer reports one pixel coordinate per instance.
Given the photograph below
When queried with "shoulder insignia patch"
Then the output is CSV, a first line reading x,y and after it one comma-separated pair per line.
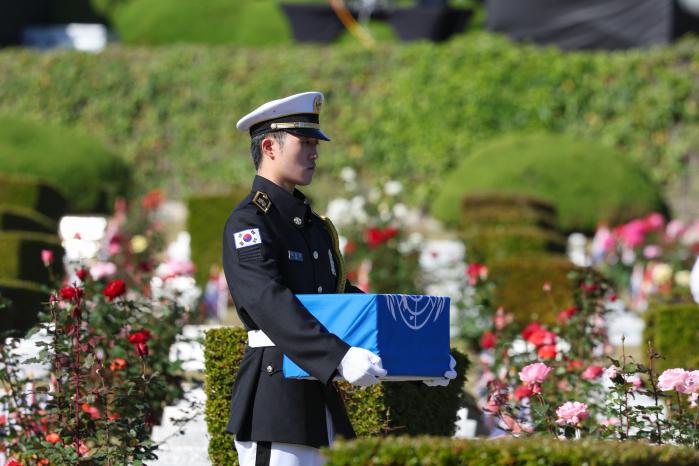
x,y
262,201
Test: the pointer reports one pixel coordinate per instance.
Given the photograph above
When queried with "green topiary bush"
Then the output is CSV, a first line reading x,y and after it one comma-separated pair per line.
x,y
20,256
428,451
87,172
32,194
22,307
407,407
585,181
673,330
520,284
21,219
206,217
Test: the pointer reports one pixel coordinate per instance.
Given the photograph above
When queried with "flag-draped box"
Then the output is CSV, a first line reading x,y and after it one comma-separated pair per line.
x,y
409,332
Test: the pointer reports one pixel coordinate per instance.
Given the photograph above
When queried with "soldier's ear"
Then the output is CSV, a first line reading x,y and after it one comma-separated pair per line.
x,y
268,147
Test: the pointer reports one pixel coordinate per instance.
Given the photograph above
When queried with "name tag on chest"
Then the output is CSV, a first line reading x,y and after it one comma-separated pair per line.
x,y
296,256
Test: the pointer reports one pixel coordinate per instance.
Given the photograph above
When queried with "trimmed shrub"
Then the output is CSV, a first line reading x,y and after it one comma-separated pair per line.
x,y
20,219
505,209
395,407
89,173
520,286
171,110
206,218
586,181
32,194
428,451
21,256
493,243
673,331
22,310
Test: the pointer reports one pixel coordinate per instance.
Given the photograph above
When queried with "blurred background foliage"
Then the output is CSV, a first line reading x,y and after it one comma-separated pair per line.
x,y
411,112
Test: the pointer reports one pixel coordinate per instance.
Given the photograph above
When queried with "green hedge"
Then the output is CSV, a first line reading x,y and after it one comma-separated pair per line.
x,y
25,302
32,194
520,286
87,172
21,219
20,256
389,408
207,216
171,110
674,332
506,452
585,181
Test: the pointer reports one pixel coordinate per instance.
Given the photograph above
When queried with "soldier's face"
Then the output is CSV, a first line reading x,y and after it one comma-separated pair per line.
x,y
296,160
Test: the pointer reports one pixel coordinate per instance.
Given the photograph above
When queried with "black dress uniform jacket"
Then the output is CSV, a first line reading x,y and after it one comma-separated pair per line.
x,y
294,255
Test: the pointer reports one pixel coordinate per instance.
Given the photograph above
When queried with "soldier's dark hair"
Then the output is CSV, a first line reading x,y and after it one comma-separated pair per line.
x,y
256,145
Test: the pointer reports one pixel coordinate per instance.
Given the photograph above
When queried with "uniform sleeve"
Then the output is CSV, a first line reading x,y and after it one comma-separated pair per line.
x,y
256,284
350,288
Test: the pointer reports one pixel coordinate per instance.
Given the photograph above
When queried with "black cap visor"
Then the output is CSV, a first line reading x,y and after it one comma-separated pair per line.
x,y
308,133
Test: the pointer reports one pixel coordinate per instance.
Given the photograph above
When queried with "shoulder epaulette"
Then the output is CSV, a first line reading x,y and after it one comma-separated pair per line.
x,y
262,201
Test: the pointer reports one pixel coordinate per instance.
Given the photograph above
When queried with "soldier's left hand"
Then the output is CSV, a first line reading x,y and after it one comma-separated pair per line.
x,y
448,375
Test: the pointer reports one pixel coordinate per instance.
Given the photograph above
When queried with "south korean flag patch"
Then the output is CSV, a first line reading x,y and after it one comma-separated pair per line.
x,y
246,238
248,244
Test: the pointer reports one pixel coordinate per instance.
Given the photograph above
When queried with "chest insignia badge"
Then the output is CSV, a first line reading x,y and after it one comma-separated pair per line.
x,y
295,256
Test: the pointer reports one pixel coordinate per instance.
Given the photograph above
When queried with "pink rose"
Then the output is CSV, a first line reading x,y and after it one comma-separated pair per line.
x,y
102,270
655,221
47,257
592,372
692,382
635,382
608,422
610,372
534,373
675,229
652,251
693,399
571,412
673,379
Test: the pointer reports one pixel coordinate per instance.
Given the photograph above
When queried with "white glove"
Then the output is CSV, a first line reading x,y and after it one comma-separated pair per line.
x,y
361,367
448,375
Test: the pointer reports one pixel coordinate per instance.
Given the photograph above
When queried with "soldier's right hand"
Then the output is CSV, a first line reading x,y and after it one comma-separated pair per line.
x,y
361,367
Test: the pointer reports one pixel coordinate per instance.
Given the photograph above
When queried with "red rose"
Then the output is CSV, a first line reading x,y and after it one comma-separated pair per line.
x,y
547,352
542,337
153,199
82,274
523,391
531,328
13,463
475,272
574,364
114,289
376,236
592,372
488,340
566,314
118,364
142,336
71,293
142,349
53,437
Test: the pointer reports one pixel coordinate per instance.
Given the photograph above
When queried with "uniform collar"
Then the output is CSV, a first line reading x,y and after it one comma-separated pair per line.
x,y
292,206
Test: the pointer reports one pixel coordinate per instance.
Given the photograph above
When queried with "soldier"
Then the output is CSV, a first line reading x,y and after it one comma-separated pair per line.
x,y
275,246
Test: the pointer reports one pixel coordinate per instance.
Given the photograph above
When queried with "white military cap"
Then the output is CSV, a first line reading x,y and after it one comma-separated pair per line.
x,y
296,114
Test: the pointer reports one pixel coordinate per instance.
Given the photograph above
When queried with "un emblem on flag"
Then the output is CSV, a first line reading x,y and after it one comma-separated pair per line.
x,y
416,311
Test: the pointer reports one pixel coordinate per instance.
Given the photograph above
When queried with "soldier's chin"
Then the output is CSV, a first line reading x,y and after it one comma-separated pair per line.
x,y
305,180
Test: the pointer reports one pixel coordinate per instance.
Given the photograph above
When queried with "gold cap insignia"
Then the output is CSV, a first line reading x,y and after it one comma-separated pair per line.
x,y
317,103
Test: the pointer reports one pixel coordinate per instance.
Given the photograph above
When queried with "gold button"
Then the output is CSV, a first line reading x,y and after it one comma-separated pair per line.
x,y
315,254
298,221
269,369
320,289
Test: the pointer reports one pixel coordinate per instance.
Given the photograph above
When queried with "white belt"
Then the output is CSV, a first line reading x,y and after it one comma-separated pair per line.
x,y
258,339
